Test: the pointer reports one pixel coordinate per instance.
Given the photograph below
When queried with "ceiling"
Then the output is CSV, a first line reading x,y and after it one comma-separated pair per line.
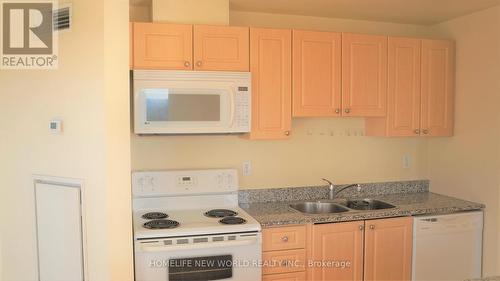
x,y
425,12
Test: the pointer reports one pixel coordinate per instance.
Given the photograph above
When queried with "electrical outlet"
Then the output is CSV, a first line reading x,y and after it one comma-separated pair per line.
x,y
406,161
247,168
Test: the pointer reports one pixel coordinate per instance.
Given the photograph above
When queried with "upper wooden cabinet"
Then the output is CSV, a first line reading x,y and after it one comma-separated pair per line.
x,y
162,46
316,73
270,64
388,249
420,89
221,48
340,242
364,75
403,97
438,82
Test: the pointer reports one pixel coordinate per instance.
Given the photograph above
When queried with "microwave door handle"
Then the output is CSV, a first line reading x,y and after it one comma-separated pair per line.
x,y
231,100
206,245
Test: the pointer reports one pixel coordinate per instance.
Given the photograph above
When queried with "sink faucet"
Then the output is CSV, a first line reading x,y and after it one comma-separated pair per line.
x,y
332,194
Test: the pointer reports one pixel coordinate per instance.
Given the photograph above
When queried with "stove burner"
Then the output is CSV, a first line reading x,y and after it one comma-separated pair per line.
x,y
233,220
161,224
220,213
154,216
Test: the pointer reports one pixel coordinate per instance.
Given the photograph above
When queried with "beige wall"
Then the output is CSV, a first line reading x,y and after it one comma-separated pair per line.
x,y
326,24
89,92
467,165
302,160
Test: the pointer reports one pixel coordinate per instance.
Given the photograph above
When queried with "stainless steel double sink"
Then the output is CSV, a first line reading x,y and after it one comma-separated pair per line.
x,y
340,206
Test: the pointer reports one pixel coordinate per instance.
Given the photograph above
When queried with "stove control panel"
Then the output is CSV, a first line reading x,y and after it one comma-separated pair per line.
x,y
184,182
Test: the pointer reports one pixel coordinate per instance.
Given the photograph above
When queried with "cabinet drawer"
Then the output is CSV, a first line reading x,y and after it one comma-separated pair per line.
x,y
284,261
284,238
296,276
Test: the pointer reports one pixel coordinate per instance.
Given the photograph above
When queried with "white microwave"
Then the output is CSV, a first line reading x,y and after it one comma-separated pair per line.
x,y
191,102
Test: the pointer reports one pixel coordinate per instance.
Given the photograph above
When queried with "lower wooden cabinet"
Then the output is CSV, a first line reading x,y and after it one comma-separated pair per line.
x,y
372,250
296,276
337,251
388,249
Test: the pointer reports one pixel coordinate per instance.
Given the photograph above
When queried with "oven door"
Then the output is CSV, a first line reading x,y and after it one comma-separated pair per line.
x,y
235,258
178,109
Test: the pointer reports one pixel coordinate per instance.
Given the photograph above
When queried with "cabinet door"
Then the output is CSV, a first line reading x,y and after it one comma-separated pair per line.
x,y
438,81
403,102
163,46
270,64
388,248
342,245
364,75
316,73
296,276
221,48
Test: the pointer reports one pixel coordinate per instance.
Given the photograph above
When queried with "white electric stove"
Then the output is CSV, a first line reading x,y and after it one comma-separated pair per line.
x,y
188,226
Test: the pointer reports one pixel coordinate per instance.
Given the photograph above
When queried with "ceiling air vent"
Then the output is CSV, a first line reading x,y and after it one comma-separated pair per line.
x,y
62,18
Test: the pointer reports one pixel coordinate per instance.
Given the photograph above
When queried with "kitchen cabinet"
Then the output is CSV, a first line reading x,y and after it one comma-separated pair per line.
x,y
364,75
438,82
316,73
162,46
362,250
420,89
403,97
284,253
388,249
337,242
270,64
224,48
295,276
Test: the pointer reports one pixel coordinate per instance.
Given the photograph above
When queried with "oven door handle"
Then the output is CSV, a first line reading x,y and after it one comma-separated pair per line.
x,y
208,245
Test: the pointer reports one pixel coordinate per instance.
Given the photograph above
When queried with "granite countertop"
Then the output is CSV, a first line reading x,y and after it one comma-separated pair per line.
x,y
278,213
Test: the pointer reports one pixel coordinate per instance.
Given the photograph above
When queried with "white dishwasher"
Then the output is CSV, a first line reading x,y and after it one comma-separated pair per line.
x,y
447,247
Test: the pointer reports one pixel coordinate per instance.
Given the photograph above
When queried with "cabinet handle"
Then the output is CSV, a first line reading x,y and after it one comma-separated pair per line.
x,y
372,226
287,133
187,64
417,132
361,227
198,63
425,131
284,238
347,110
337,110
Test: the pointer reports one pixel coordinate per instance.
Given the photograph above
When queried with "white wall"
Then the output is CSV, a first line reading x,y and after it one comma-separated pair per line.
x,y
467,165
89,92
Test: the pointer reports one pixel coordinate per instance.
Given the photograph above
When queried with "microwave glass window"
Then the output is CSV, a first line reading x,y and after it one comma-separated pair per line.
x,y
164,105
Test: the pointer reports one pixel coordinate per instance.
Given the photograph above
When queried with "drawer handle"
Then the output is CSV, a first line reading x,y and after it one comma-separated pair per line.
x,y
417,132
372,226
186,64
287,133
361,227
284,238
425,131
347,110
337,110
198,63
